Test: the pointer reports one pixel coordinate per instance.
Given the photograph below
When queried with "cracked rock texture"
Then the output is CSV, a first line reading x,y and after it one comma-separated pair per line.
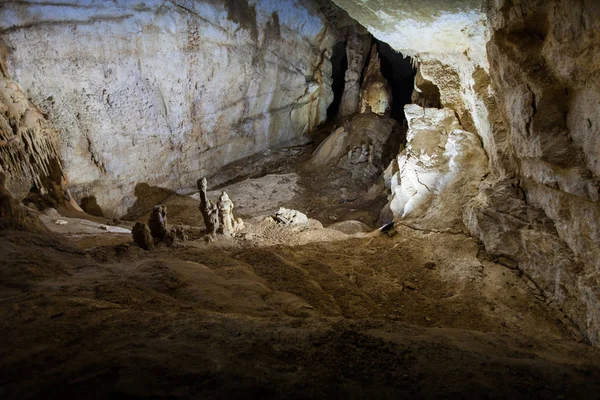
x,y
162,92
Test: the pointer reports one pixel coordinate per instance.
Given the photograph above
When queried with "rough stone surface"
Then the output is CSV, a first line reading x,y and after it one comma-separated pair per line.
x,y
439,170
543,62
160,92
142,236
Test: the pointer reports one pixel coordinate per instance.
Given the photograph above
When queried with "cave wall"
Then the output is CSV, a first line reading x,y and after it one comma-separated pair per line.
x,y
544,58
164,92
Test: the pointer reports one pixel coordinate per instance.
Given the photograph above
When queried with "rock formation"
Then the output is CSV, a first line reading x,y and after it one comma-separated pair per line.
x,y
522,76
158,222
175,234
358,146
375,92
208,209
13,215
142,236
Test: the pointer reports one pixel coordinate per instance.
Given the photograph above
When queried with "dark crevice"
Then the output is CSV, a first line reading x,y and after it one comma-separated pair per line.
x,y
400,74
339,62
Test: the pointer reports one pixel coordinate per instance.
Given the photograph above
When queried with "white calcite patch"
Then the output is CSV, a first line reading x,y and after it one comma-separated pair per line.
x,y
438,172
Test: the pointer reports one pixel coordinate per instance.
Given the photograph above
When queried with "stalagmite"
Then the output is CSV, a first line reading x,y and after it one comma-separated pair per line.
x,y
142,236
375,93
209,210
228,224
357,50
158,222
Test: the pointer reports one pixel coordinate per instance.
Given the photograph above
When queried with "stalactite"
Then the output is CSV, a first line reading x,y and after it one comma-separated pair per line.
x,y
28,144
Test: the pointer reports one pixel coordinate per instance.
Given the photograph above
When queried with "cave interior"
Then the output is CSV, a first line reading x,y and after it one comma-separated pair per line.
x,y
299,199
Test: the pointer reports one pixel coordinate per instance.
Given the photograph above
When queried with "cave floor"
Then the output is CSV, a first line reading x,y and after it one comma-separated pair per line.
x,y
278,312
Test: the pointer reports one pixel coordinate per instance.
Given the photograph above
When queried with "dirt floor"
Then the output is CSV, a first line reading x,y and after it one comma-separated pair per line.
x,y
300,312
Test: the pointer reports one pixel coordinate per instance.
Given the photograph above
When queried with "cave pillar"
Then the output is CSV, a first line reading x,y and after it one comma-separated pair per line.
x,y
357,50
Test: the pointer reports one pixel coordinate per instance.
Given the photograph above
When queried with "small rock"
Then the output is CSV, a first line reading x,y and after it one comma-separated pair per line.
x,y
103,227
409,285
287,217
60,222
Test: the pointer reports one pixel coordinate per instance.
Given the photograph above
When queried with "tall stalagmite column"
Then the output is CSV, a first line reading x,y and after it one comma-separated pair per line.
x,y
357,50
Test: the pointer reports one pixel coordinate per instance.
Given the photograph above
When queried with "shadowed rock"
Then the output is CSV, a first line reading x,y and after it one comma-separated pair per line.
x,y
158,222
142,236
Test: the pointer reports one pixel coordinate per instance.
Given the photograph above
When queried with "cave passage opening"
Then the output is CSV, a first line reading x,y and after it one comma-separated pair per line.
x,y
400,73
339,63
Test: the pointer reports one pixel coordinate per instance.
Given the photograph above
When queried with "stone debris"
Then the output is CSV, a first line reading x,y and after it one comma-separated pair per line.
x,y
175,234
287,217
142,236
158,222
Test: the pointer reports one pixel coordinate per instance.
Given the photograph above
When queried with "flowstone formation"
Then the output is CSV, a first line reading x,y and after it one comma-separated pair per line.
x,y
438,172
208,209
375,92
13,215
28,143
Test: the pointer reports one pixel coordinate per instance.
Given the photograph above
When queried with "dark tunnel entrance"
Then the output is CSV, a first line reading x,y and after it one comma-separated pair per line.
x,y
339,62
400,74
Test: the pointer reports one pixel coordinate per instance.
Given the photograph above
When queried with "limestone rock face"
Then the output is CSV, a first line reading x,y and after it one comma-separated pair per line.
x,y
159,93
375,92
439,170
544,57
